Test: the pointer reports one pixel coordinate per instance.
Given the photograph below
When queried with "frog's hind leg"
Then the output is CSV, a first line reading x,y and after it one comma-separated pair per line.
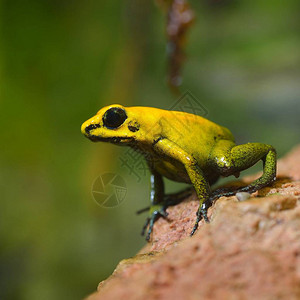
x,y
230,159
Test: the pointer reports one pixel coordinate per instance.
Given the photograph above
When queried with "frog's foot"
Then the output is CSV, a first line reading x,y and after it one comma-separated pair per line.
x,y
156,211
202,213
232,191
227,191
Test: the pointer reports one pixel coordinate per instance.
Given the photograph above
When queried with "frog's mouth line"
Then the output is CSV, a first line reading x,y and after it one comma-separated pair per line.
x,y
114,140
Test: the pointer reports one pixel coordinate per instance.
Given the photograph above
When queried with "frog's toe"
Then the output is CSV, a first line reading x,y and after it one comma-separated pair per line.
x,y
142,210
145,226
151,224
201,213
163,212
154,216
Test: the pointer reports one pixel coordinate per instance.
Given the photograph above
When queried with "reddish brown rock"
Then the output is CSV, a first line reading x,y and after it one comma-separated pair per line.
x,y
250,250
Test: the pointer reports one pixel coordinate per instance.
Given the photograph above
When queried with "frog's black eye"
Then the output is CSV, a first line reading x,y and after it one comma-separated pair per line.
x,y
114,117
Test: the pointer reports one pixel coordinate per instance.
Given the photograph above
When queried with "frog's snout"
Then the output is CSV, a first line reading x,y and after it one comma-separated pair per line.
x,y
87,127
90,127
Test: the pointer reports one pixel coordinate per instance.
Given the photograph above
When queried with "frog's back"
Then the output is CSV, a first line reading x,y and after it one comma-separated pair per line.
x,y
190,125
179,124
194,134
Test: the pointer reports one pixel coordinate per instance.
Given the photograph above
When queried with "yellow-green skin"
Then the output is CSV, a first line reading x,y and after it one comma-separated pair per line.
x,y
182,147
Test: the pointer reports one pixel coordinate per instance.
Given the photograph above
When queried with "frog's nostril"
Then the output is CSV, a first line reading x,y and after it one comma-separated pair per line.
x,y
91,127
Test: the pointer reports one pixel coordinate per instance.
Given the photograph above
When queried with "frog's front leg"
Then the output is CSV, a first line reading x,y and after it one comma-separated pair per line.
x,y
169,149
157,208
231,159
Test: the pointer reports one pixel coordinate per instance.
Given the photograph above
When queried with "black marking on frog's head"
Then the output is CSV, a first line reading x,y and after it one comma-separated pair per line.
x,y
91,127
133,126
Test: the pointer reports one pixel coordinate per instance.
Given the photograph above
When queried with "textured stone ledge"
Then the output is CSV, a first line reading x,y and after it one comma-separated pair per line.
x,y
250,250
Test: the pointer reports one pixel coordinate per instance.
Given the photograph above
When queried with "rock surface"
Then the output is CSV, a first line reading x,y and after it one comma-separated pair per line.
x,y
250,250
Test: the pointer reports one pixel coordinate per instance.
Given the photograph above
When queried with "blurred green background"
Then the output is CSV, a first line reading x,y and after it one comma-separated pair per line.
x,y
60,62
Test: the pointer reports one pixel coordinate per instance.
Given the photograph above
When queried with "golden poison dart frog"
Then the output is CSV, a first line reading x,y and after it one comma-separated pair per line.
x,y
182,147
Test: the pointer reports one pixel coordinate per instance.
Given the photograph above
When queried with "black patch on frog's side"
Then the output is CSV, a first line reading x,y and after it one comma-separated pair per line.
x,y
91,127
218,137
133,126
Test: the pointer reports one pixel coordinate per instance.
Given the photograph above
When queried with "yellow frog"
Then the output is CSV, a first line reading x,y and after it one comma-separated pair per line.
x,y
182,147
